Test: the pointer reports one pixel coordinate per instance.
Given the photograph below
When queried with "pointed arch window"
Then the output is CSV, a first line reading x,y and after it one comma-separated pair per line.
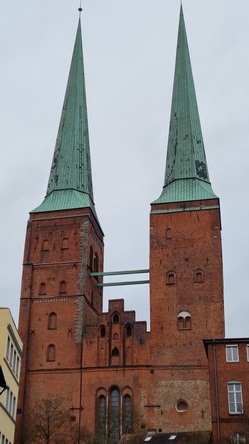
x,y
115,319
115,352
127,414
102,416
52,321
184,321
51,353
128,330
199,276
102,332
63,287
42,288
65,244
45,245
114,420
171,278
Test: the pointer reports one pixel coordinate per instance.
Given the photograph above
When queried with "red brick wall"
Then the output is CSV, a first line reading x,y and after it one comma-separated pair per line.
x,y
221,372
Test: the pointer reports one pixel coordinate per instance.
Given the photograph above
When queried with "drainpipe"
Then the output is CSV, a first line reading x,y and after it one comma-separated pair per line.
x,y
216,390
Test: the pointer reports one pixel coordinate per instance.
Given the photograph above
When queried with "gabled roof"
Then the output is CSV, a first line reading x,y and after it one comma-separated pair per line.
x,y
70,181
186,174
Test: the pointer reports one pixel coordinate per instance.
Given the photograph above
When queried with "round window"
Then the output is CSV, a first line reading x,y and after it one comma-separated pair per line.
x,y
181,406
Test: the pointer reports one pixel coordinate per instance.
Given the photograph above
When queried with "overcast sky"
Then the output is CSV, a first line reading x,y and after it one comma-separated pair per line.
x,y
129,57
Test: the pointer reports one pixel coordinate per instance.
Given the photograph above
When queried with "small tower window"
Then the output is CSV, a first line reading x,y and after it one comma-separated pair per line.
x,y
42,288
184,320
102,332
51,353
199,276
52,321
171,278
116,319
45,245
65,244
63,287
181,406
95,263
91,258
168,233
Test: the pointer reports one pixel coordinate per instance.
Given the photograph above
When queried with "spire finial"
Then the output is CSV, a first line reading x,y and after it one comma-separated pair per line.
x,y
80,8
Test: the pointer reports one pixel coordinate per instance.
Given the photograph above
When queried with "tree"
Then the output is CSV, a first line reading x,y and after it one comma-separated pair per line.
x,y
50,420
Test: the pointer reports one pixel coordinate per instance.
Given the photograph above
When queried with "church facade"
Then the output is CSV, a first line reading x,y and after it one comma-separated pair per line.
x,y
113,375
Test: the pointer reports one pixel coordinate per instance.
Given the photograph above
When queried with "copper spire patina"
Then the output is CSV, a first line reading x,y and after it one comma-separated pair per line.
x,y
186,175
70,180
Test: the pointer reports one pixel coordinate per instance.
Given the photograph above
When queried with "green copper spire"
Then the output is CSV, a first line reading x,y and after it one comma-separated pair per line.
x,y
70,181
186,175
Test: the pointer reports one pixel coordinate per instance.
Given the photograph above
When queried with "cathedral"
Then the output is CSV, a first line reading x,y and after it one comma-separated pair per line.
x,y
114,376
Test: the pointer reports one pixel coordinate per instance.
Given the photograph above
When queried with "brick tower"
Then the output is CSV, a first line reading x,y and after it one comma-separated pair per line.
x,y
64,243
186,284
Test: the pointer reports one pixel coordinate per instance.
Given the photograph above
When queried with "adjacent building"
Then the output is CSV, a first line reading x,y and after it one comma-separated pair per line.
x,y
116,377
10,363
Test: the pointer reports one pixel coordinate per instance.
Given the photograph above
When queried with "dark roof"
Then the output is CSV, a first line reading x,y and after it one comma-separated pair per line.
x,y
170,438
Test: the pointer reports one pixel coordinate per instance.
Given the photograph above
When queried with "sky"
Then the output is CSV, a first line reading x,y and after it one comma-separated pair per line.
x,y
129,57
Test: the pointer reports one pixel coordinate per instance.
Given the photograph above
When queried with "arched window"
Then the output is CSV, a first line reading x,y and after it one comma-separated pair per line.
x,y
63,287
51,353
127,414
102,416
168,233
180,322
52,321
65,244
95,263
91,258
199,276
184,320
115,336
171,278
114,421
45,245
115,319
128,330
188,322
102,332
42,288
